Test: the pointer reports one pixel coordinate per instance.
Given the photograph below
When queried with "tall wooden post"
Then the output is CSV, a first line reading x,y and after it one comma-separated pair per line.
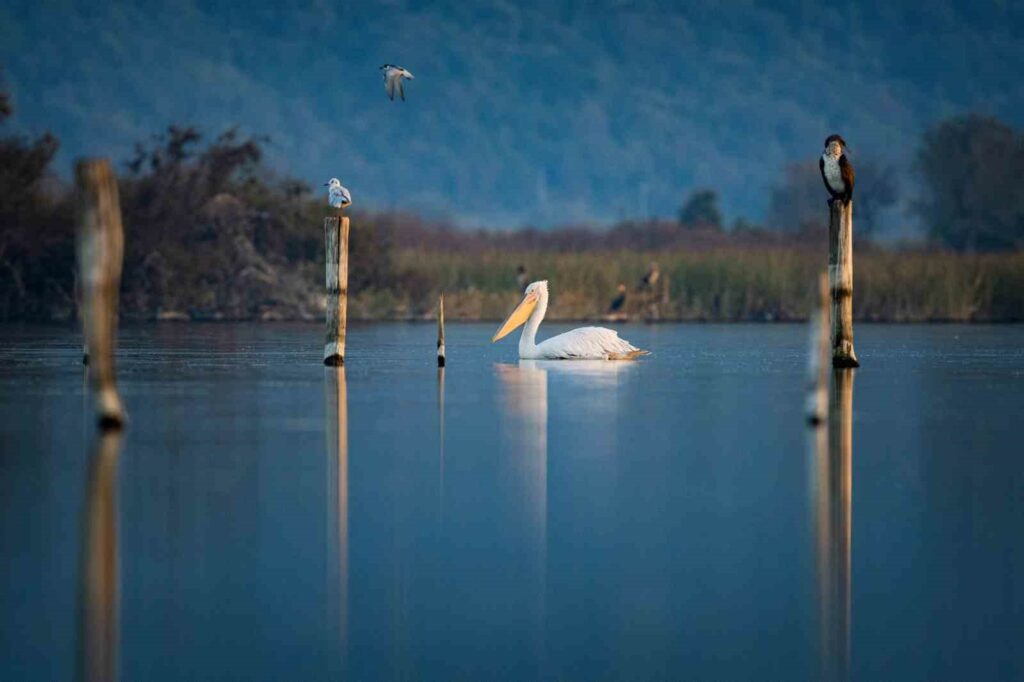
x,y
818,354
336,241
440,332
100,256
840,275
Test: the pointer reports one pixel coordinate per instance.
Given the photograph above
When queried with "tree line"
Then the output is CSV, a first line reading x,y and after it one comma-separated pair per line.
x,y
966,171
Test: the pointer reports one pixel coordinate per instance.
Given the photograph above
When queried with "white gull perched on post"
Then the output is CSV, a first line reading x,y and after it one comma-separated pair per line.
x,y
338,196
393,76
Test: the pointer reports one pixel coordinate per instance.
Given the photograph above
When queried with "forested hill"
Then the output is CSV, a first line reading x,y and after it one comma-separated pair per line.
x,y
521,112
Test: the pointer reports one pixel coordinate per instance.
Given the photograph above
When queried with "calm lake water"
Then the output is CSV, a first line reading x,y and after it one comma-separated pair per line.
x,y
267,518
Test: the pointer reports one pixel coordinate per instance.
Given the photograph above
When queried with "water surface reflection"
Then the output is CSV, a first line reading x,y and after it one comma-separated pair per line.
x,y
100,585
833,490
336,410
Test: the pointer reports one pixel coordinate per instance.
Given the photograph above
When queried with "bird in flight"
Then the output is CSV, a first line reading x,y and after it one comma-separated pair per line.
x,y
393,76
338,196
836,170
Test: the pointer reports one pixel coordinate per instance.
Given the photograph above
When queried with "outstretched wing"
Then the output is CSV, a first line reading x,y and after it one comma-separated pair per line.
x,y
846,170
389,85
588,343
401,89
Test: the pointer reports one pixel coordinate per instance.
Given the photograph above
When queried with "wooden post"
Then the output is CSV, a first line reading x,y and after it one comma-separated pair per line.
x,y
440,331
99,582
100,256
81,319
818,355
840,275
336,241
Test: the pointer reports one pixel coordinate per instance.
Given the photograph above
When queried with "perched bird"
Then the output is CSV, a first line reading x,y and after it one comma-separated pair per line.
x,y
619,301
338,196
648,281
393,76
522,279
583,343
836,170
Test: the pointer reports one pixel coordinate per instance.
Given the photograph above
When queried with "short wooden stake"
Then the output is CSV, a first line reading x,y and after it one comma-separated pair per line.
x,y
840,275
818,355
336,241
100,256
440,331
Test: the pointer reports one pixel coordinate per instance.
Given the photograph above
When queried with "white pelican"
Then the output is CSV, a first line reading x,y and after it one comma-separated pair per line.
x,y
585,343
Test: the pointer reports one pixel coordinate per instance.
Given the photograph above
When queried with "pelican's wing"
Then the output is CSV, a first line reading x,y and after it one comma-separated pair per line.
x,y
588,343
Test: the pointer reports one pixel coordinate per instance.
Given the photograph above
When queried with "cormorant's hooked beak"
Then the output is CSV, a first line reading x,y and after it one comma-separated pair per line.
x,y
517,317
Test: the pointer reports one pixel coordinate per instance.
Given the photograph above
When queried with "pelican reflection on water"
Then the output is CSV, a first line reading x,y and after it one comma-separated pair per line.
x,y
583,343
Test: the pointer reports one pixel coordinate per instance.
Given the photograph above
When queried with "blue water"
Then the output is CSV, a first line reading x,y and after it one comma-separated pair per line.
x,y
267,518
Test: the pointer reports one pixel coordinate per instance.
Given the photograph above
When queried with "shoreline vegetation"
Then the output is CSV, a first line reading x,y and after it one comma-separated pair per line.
x,y
212,234
719,285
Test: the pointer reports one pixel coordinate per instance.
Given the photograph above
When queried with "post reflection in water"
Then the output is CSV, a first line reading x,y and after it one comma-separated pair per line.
x,y
99,575
833,455
524,405
440,428
336,408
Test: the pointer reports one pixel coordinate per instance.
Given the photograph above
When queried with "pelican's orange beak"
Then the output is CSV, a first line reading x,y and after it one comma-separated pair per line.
x,y
518,316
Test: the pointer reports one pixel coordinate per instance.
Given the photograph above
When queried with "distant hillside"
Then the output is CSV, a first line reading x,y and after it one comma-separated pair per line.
x,y
521,112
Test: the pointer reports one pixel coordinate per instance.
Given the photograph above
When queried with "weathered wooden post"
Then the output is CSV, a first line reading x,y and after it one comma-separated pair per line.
x,y
840,275
81,319
100,256
440,331
818,355
336,241
99,583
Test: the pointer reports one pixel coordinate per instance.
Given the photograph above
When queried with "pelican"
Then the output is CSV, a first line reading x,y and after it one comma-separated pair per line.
x,y
585,343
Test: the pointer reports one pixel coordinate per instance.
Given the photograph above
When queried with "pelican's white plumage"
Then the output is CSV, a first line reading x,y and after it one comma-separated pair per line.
x,y
585,343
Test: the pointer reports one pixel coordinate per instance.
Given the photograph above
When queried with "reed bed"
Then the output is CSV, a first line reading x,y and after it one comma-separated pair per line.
x,y
729,284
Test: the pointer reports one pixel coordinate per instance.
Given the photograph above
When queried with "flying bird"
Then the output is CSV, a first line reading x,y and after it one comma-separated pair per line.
x,y
836,170
583,343
393,76
338,196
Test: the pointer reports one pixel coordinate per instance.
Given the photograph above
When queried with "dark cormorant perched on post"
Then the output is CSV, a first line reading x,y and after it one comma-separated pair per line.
x,y
836,170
